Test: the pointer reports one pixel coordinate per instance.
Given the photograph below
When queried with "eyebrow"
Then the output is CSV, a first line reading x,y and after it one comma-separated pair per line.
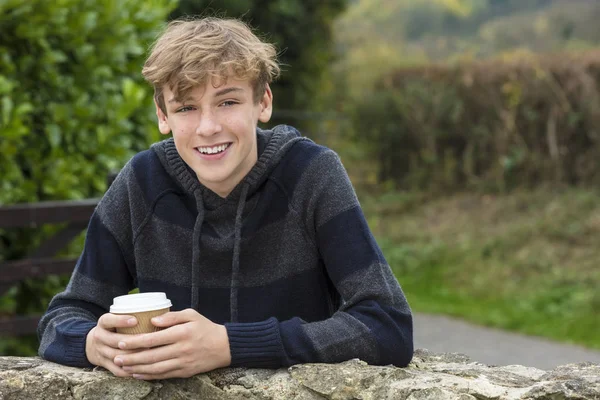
x,y
221,92
228,90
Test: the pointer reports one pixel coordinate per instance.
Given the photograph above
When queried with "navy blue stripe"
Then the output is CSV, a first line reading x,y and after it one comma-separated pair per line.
x,y
272,207
298,158
151,176
177,209
387,324
307,295
300,348
347,245
214,304
304,295
103,262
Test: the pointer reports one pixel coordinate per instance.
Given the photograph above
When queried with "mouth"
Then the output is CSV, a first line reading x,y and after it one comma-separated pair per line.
x,y
213,150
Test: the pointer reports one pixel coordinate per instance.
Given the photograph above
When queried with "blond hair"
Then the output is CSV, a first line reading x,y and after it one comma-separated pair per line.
x,y
190,52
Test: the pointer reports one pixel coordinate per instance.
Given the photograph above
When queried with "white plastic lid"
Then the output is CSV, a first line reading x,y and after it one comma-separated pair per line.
x,y
140,302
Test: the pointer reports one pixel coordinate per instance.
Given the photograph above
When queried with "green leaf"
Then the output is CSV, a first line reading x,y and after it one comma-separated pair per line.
x,y
54,135
7,107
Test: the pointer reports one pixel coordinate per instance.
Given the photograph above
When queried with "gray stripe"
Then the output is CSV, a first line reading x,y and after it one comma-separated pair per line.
x,y
377,283
161,240
123,209
95,292
277,251
341,335
314,182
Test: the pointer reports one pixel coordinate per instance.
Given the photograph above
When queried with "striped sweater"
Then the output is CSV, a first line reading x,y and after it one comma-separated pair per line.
x,y
286,262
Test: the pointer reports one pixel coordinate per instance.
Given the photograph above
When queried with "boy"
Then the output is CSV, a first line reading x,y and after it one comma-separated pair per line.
x,y
256,236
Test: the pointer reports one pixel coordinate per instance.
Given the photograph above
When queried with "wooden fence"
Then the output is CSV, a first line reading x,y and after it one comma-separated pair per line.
x,y
41,262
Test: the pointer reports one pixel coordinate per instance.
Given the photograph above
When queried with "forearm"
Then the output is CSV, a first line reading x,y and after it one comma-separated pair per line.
x,y
378,334
62,333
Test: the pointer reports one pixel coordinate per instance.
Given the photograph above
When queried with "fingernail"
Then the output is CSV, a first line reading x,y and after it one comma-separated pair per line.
x,y
122,345
136,376
131,321
157,320
118,361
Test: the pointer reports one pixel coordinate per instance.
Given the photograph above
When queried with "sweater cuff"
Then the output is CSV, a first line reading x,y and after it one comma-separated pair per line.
x,y
255,344
68,347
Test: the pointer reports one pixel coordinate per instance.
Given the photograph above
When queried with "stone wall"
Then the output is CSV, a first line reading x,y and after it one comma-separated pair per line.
x,y
429,376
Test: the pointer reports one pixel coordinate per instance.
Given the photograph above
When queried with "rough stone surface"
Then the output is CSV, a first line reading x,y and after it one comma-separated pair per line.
x,y
428,377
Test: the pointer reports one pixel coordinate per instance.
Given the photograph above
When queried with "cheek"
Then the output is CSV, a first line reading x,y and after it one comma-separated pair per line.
x,y
183,129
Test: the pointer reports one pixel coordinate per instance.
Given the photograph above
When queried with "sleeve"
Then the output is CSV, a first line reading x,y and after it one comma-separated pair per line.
x,y
101,273
373,321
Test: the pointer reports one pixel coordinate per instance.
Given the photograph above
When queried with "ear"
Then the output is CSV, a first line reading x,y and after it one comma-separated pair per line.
x,y
266,105
163,123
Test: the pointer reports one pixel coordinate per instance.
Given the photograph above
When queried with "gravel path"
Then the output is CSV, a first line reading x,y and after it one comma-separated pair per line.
x,y
495,347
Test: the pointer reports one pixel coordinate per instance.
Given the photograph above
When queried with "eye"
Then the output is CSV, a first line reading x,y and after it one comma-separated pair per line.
x,y
184,109
229,103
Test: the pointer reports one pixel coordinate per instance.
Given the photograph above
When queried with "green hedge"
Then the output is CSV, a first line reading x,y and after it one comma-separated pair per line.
x,y
73,103
492,125
73,107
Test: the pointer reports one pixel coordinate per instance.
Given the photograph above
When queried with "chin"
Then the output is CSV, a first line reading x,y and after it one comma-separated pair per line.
x,y
213,179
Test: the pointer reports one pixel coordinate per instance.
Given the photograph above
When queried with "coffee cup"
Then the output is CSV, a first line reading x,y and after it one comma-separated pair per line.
x,y
144,307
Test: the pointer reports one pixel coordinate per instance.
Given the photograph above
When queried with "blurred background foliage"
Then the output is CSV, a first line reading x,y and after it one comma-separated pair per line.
x,y
490,126
469,128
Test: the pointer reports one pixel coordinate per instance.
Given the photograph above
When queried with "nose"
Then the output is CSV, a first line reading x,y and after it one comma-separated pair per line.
x,y
208,125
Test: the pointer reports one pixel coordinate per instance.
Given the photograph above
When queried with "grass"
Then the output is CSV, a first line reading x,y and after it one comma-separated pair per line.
x,y
525,262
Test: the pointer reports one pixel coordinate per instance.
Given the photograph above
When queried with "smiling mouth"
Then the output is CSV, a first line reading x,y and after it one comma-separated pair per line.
x,y
210,150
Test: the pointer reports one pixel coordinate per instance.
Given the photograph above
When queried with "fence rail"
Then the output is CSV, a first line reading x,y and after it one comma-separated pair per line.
x,y
47,212
42,261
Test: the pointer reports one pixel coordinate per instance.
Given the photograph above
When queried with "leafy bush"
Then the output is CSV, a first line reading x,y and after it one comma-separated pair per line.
x,y
491,125
73,107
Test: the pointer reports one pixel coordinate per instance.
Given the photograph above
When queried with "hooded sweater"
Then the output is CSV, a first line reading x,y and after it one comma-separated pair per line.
x,y
286,261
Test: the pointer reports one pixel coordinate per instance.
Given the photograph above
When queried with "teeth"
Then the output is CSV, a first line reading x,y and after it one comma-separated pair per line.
x,y
213,150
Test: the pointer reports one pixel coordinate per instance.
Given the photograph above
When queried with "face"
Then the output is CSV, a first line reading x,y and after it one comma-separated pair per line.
x,y
215,130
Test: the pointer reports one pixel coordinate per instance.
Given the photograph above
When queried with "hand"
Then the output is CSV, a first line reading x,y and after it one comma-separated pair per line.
x,y
190,344
101,344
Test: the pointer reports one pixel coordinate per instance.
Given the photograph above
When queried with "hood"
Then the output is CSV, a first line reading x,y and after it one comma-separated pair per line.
x,y
272,145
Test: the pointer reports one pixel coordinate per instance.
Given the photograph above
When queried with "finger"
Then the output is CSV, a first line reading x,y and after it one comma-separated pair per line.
x,y
157,369
108,338
147,357
149,340
163,370
110,321
176,318
173,374
111,354
116,370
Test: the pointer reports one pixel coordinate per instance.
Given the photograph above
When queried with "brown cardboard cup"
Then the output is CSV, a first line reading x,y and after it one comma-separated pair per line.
x,y
143,306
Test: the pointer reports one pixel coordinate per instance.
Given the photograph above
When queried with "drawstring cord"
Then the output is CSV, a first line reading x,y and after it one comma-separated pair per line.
x,y
196,252
235,267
